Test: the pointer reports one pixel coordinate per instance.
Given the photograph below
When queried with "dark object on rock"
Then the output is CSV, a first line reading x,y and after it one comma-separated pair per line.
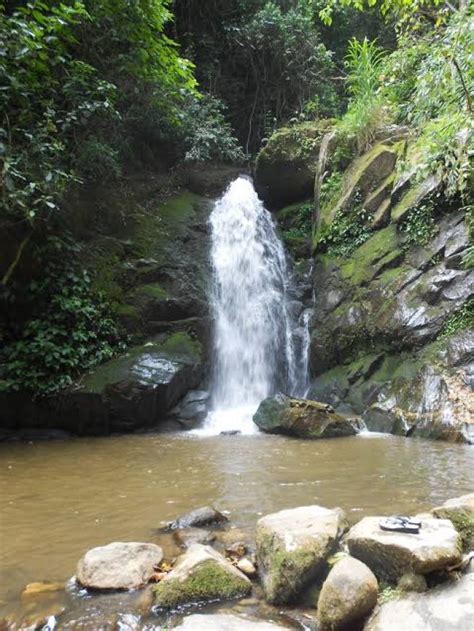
x,y
301,418
401,524
205,516
230,432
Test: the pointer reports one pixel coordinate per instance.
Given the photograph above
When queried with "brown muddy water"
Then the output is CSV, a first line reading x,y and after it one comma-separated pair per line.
x,y
61,498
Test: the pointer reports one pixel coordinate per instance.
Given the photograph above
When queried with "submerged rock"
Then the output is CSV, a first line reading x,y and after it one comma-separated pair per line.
x,y
460,511
348,594
292,548
225,622
201,574
119,565
301,418
449,607
204,516
391,554
186,537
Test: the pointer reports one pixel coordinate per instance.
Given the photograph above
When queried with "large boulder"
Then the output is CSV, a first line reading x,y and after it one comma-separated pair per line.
x,y
138,388
119,565
301,418
201,574
392,554
292,548
349,593
449,607
285,168
460,511
225,622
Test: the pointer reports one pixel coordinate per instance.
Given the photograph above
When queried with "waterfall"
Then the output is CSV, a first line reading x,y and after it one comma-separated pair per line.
x,y
254,350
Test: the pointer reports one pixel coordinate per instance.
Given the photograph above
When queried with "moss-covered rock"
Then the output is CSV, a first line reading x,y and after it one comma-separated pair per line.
x,y
460,511
301,418
292,548
348,595
201,574
285,168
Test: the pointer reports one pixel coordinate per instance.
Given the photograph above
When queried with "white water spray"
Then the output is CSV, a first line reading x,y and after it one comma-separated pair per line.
x,y
254,351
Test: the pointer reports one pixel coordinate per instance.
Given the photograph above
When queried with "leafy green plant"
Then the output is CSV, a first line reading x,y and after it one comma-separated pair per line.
x,y
459,321
70,328
419,226
349,229
207,135
367,110
97,161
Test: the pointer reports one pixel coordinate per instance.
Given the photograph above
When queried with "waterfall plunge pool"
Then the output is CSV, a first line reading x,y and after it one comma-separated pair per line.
x,y
61,498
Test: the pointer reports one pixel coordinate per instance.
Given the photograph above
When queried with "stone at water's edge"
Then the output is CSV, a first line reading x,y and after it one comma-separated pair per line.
x,y
119,565
226,622
201,574
392,554
460,511
301,418
204,516
349,593
292,548
449,607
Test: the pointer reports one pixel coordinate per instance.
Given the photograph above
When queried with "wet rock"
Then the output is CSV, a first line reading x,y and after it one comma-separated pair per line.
x,y
237,549
186,537
230,432
411,582
204,516
46,617
201,574
301,418
192,408
349,593
449,607
225,622
119,565
292,548
392,554
246,566
460,511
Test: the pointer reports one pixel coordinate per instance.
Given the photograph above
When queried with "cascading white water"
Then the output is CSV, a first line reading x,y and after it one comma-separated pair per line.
x,y
254,350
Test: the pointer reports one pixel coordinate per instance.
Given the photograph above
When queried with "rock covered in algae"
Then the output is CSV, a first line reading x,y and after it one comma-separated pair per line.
x,y
349,593
119,565
201,574
292,548
392,554
460,511
301,418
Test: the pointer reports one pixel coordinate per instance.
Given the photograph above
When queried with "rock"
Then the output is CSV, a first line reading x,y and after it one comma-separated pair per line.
x,y
186,537
286,166
236,549
246,566
415,196
392,554
348,594
301,418
448,607
44,619
201,574
412,583
225,622
292,548
119,565
204,516
35,589
460,511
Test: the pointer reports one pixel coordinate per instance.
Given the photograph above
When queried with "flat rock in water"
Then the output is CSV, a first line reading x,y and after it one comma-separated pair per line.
x,y
226,622
349,593
449,607
186,537
204,516
292,548
119,565
460,511
392,554
301,418
201,574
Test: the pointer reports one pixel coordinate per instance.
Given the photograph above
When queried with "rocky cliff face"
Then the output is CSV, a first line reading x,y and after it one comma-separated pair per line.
x,y
392,332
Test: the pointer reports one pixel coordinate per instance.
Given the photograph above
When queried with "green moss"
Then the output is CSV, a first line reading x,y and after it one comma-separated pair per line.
x,y
297,142
127,311
207,581
181,344
153,291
